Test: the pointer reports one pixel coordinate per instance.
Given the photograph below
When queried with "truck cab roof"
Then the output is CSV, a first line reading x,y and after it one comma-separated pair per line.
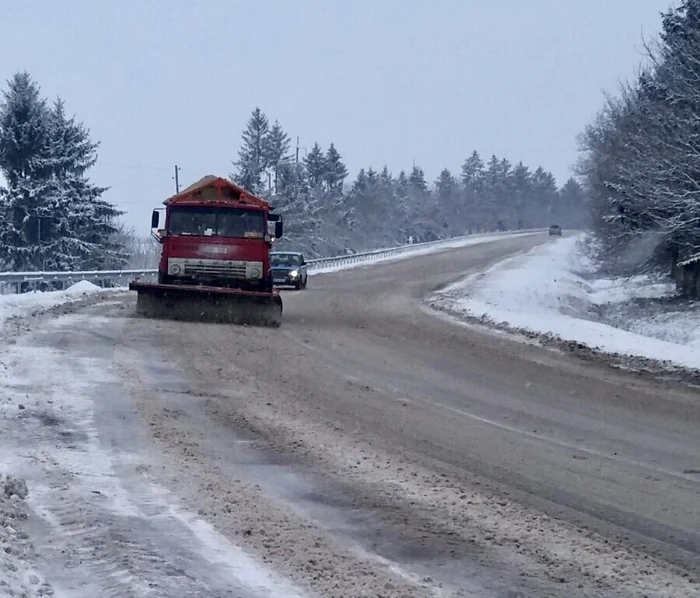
x,y
216,190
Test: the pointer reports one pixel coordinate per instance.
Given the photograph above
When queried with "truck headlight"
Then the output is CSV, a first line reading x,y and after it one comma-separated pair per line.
x,y
294,273
175,269
255,273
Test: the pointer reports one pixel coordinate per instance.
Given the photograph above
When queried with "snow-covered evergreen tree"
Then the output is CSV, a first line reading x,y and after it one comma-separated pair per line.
x,y
253,154
316,167
277,148
24,126
53,217
449,200
335,170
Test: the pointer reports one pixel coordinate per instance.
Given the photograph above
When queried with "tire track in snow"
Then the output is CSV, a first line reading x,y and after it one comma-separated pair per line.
x,y
104,529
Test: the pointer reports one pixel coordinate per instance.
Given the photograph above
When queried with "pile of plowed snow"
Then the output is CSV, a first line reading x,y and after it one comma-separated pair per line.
x,y
25,304
17,578
553,289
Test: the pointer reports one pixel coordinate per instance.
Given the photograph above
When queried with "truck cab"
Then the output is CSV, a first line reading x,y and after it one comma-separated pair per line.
x,y
216,234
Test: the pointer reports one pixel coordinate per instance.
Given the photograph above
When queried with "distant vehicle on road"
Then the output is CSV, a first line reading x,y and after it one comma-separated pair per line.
x,y
555,229
289,269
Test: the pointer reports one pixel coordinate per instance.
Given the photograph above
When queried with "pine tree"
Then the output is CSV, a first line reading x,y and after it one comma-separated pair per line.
x,y
24,121
402,186
316,168
522,192
299,208
545,194
447,194
336,172
445,185
416,179
572,204
386,180
253,154
84,230
424,217
473,172
52,217
276,148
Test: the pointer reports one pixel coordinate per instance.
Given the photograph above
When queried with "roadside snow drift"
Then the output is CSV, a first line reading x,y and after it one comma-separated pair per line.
x,y
26,304
552,290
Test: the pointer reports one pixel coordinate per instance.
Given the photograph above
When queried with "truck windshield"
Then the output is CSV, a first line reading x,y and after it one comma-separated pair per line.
x,y
216,222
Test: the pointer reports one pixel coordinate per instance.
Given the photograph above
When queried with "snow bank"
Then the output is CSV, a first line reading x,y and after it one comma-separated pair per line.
x,y
17,578
26,304
82,287
551,289
420,250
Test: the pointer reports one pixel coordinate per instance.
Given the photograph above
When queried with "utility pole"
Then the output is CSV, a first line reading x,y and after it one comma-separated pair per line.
x,y
297,158
177,179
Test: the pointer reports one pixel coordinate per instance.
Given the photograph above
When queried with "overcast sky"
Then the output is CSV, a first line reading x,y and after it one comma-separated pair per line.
x,y
165,82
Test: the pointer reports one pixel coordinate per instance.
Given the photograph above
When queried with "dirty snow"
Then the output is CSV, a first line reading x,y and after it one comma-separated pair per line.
x,y
17,577
27,304
553,289
84,516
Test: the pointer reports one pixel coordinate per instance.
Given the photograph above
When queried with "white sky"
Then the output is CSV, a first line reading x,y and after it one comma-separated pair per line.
x,y
165,82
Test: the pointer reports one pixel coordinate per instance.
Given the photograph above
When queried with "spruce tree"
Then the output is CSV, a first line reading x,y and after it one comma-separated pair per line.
x,y
276,147
84,231
52,217
336,172
473,172
253,154
316,168
522,194
24,122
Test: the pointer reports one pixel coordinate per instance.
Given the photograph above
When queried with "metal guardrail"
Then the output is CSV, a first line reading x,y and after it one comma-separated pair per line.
x,y
22,282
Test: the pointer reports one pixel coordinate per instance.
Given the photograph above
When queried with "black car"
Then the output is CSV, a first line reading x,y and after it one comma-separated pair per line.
x,y
555,229
289,269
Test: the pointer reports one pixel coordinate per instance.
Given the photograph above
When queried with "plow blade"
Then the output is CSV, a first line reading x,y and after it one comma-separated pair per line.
x,y
207,304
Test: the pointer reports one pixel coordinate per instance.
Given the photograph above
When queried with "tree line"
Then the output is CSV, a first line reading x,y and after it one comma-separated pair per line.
x,y
326,214
640,160
52,217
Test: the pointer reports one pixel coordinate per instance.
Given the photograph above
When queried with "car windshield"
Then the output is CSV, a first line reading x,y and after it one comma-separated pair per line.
x,y
285,259
216,222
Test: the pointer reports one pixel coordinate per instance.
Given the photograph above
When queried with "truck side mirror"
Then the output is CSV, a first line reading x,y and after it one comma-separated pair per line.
x,y
155,219
279,229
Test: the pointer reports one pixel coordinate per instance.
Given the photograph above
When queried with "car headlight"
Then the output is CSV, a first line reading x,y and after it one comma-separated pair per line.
x,y
294,273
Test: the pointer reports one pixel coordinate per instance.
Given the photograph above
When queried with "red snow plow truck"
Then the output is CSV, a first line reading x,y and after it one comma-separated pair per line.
x,y
215,260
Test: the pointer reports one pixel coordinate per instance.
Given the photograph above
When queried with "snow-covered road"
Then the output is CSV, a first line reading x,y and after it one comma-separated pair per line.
x,y
366,448
99,525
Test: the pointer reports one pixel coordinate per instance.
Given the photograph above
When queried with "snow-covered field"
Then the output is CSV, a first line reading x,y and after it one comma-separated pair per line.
x,y
553,290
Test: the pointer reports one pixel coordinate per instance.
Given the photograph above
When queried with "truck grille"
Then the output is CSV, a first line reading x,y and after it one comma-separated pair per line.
x,y
228,270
